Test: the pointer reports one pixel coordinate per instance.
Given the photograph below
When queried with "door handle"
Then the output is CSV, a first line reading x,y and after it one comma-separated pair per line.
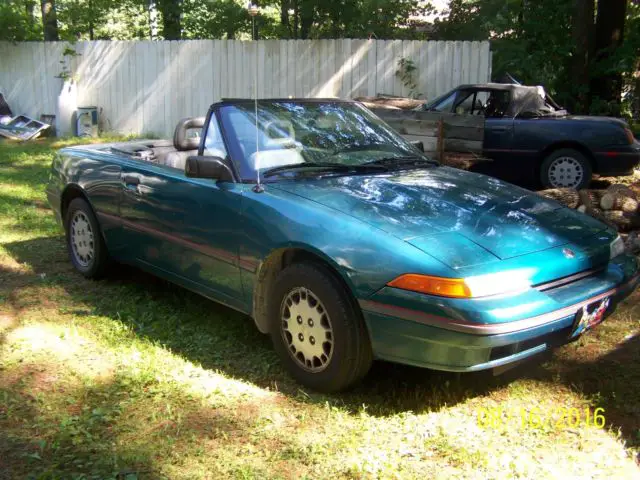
x,y
498,129
130,180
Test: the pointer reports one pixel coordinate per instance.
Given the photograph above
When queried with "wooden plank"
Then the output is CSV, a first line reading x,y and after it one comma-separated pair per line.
x,y
347,68
300,67
474,63
450,118
415,127
291,68
464,133
457,145
358,63
440,140
282,69
484,74
456,77
466,63
371,55
430,143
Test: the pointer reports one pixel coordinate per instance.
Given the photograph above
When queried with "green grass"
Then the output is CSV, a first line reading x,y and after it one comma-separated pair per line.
x,y
134,378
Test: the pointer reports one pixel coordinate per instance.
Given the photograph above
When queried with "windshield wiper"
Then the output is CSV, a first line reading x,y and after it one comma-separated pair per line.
x,y
326,166
404,161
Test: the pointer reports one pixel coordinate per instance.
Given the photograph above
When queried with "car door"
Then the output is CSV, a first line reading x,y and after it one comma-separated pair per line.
x,y
498,128
184,229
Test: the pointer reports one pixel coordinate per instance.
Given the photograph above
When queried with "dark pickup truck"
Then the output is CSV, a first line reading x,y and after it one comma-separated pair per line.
x,y
530,137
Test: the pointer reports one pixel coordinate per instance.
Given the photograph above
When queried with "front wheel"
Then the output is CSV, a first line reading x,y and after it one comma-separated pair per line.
x,y
565,168
316,329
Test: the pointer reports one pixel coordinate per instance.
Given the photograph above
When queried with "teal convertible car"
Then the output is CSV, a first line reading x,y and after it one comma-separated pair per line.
x,y
341,240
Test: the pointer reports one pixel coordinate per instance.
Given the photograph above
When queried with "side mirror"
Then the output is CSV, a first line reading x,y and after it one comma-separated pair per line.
x,y
418,144
204,166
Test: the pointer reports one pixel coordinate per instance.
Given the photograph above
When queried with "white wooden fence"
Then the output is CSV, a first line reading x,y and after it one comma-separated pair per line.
x,y
147,86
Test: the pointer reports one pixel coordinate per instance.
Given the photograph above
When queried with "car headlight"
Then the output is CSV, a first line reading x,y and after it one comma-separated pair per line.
x,y
470,287
616,247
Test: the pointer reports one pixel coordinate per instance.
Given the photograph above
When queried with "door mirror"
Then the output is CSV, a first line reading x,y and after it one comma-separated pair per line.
x,y
204,166
418,144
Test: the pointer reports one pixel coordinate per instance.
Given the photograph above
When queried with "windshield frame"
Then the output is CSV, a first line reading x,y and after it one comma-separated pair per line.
x,y
246,174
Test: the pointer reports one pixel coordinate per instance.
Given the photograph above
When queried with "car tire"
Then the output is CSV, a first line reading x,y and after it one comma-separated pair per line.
x,y
86,247
329,349
566,168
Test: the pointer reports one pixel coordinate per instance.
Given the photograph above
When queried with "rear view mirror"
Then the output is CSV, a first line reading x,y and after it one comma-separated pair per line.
x,y
418,144
204,166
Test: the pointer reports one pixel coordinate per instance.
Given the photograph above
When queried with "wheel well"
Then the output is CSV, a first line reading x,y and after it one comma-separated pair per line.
x,y
71,192
568,144
277,261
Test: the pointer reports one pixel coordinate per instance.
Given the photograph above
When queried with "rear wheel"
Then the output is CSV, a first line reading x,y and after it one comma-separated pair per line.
x,y
87,250
565,168
316,329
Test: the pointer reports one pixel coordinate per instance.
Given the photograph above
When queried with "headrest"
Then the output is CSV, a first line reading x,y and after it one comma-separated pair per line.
x,y
180,139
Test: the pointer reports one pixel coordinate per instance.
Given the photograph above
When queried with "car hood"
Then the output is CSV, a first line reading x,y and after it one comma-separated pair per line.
x,y
418,205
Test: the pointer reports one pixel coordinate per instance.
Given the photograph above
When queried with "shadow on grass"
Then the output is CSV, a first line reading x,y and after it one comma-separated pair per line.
x,y
217,337
105,432
222,339
611,381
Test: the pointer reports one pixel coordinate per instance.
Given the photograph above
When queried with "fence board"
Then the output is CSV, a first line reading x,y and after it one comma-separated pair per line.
x,y
147,86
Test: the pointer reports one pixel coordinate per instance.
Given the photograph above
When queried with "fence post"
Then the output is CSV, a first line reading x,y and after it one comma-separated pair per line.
x,y
440,141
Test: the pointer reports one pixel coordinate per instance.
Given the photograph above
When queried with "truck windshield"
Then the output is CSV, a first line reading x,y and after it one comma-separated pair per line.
x,y
298,132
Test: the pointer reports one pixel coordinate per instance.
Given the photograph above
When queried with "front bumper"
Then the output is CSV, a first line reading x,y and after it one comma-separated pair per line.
x,y
443,336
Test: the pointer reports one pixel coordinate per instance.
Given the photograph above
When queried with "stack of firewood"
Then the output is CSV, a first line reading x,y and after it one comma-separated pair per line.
x,y
618,206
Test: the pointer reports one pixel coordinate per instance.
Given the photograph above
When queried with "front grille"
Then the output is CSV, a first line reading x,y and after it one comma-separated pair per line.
x,y
561,282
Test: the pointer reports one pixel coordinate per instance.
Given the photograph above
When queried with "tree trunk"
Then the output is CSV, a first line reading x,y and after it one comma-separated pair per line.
x,y
29,7
171,13
296,18
609,35
306,18
284,16
582,31
91,20
153,19
49,20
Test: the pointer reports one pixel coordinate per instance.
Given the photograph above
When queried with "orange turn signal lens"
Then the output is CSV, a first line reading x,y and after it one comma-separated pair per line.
x,y
442,287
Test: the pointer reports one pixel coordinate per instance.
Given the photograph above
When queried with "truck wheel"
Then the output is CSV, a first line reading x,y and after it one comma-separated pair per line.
x,y
316,330
87,250
565,168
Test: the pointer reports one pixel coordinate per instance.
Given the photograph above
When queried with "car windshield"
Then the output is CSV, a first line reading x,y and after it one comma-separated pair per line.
x,y
320,134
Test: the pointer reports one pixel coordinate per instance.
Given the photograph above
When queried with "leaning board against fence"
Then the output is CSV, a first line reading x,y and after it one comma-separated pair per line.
x,y
439,132
147,86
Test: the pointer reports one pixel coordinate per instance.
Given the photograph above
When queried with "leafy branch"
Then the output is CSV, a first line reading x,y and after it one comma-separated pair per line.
x,y
406,73
67,55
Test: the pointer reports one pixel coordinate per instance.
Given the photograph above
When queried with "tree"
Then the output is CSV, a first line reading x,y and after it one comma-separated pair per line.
x,y
171,11
49,20
582,32
607,84
17,21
